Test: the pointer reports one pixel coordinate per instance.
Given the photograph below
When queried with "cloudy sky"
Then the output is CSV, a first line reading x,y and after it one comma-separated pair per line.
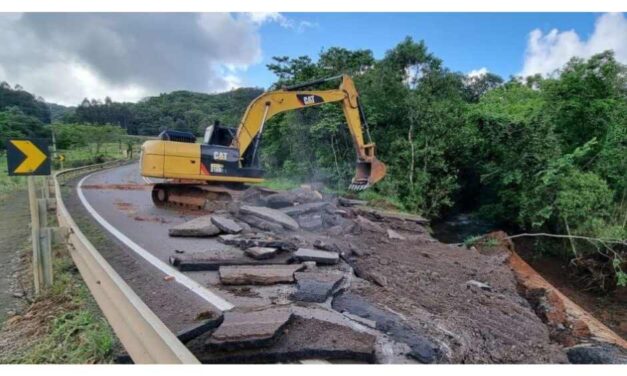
x,y
67,57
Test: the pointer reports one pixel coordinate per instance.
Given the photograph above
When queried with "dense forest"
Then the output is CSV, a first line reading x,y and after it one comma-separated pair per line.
x,y
534,154
179,110
530,154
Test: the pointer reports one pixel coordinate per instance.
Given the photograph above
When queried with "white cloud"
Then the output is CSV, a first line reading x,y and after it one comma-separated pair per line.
x,y
260,18
65,57
476,73
548,52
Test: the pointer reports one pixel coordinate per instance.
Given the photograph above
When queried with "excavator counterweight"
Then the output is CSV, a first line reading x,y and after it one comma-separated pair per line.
x,y
228,158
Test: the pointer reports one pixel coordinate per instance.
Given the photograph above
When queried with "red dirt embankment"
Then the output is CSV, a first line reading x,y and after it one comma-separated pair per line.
x,y
568,322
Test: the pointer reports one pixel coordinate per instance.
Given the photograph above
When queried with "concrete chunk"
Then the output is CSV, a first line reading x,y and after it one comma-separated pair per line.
x,y
226,224
271,215
481,285
320,257
241,330
198,227
261,224
395,235
315,286
261,253
310,222
258,275
297,210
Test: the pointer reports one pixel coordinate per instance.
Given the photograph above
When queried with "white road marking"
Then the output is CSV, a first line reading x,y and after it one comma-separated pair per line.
x,y
213,299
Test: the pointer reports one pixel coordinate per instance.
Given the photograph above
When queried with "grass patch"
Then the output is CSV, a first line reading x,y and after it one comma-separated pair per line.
x,y
62,326
472,240
8,183
378,200
280,184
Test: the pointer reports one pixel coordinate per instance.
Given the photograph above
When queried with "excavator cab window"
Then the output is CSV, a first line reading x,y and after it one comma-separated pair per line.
x,y
218,134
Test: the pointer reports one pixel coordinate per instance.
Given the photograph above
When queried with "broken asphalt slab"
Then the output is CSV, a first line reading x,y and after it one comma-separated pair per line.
x,y
197,227
422,349
258,274
302,338
187,263
200,328
597,353
271,215
244,242
293,197
249,329
315,286
261,253
298,210
226,224
320,257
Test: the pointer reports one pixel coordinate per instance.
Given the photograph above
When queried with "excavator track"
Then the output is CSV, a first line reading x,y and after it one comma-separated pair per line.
x,y
194,196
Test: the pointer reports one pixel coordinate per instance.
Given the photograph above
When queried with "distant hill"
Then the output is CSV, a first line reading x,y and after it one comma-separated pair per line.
x,y
26,102
179,110
59,112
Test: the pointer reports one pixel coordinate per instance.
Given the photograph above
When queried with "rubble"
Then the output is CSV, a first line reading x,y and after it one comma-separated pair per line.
x,y
597,353
422,349
200,328
249,329
363,224
350,202
302,338
315,286
226,224
295,196
270,215
194,263
481,285
320,257
395,235
261,253
258,274
298,210
435,302
244,242
197,227
261,224
310,222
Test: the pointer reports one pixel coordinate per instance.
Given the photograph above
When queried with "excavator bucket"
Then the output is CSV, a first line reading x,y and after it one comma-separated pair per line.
x,y
367,174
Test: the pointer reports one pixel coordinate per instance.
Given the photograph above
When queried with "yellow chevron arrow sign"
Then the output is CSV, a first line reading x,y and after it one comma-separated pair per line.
x,y
32,161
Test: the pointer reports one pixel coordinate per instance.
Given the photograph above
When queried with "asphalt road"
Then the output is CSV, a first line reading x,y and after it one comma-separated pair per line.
x,y
122,198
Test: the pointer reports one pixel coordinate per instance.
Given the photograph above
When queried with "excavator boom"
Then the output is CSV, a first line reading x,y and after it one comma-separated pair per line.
x,y
369,169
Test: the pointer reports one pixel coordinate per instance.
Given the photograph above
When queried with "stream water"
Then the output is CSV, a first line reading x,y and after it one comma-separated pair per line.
x,y
457,228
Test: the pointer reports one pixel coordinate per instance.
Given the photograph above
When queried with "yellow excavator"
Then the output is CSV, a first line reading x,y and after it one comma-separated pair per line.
x,y
228,158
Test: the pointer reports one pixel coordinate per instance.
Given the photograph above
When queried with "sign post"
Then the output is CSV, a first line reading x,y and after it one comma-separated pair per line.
x,y
30,157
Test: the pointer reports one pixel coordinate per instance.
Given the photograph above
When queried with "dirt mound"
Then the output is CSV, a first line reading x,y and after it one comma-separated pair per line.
x,y
430,285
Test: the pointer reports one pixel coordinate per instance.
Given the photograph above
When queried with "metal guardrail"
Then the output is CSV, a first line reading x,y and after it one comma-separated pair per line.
x,y
144,336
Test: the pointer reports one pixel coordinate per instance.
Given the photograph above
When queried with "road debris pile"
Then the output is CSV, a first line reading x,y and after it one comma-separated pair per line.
x,y
313,276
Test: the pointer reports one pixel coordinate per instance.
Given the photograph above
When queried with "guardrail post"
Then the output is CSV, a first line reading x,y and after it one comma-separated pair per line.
x,y
45,248
34,223
45,242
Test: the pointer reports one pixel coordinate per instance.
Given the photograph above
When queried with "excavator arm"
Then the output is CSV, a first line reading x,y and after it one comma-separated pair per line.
x,y
369,169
